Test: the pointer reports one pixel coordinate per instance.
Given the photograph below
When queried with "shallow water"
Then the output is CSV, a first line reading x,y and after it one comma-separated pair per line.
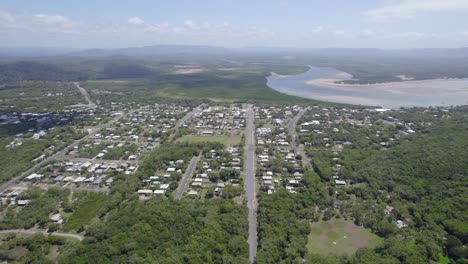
x,y
439,92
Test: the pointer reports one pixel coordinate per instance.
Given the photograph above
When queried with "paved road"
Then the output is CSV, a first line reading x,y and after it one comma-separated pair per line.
x,y
292,132
34,231
250,185
189,115
184,119
55,156
188,173
85,93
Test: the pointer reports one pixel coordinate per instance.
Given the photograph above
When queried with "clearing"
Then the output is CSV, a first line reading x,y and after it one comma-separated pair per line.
x,y
340,237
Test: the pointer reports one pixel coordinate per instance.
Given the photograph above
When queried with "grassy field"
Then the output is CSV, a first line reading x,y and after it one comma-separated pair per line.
x,y
226,140
340,237
94,204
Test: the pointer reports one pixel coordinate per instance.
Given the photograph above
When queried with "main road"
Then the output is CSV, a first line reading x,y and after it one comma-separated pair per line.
x,y
292,132
85,93
250,184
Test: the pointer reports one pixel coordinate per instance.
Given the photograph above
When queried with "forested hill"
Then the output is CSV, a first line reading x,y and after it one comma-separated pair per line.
x,y
51,71
26,70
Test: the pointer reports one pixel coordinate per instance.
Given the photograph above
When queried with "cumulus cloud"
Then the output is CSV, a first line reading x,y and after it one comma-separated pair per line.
x,y
35,22
408,9
136,21
25,24
53,20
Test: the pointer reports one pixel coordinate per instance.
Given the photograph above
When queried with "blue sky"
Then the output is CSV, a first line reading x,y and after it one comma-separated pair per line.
x,y
277,23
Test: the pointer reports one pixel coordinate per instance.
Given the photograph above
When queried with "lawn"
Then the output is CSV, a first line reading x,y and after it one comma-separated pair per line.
x,y
340,237
226,140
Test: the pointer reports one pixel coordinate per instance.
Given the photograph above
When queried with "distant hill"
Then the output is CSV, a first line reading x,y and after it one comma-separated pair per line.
x,y
27,70
366,65
151,51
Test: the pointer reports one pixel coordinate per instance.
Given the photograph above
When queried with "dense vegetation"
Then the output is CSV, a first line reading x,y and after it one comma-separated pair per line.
x,y
423,178
37,248
227,86
19,158
26,70
37,211
427,185
283,221
168,231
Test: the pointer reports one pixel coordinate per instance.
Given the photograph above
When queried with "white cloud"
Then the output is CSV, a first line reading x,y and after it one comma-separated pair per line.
x,y
410,34
6,18
159,28
366,33
408,9
24,25
52,20
338,32
318,29
189,24
35,22
136,21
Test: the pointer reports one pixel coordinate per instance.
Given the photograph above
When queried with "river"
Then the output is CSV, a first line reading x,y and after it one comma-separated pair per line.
x,y
319,83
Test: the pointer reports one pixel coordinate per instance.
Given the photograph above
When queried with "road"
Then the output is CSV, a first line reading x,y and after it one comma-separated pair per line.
x,y
184,119
292,132
56,155
187,117
250,184
188,173
47,186
85,93
34,231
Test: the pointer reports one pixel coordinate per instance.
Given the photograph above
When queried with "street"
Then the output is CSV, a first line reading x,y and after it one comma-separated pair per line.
x,y
292,132
188,173
250,184
85,93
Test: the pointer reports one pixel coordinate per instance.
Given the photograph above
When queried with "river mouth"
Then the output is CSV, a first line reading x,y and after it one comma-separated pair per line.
x,y
325,84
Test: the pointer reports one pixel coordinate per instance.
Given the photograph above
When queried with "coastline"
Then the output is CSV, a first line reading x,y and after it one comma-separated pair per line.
x,y
275,75
330,82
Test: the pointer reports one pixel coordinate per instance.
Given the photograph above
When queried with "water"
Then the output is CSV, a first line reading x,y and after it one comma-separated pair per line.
x,y
438,92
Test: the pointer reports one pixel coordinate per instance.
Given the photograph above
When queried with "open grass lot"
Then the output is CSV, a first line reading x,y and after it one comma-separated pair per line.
x,y
347,236
226,140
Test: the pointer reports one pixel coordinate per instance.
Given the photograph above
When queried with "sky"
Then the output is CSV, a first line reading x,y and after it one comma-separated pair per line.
x,y
387,24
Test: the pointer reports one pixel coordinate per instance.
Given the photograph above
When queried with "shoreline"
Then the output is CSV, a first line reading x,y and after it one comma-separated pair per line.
x,y
333,82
